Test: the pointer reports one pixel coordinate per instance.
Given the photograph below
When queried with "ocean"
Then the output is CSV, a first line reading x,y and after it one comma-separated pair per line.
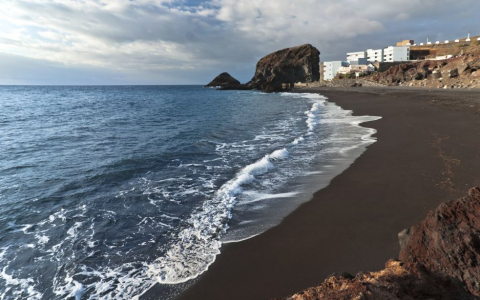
x,y
107,190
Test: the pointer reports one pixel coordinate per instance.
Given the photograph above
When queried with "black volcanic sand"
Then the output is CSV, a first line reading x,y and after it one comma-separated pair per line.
x,y
428,151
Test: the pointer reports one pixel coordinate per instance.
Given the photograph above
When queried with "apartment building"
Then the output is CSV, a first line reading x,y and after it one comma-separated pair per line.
x,y
375,55
399,53
353,56
330,68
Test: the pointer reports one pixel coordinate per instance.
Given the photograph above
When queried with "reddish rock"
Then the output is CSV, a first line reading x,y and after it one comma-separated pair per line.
x,y
397,281
439,260
448,241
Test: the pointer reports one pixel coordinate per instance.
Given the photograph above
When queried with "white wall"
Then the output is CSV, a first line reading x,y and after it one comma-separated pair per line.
x,y
375,55
399,53
330,69
356,55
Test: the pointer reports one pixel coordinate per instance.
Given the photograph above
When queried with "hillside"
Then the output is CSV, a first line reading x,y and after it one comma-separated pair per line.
x,y
450,48
460,71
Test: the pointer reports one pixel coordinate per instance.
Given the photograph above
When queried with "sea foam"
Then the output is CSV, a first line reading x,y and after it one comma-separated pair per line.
x,y
199,244
192,249
196,246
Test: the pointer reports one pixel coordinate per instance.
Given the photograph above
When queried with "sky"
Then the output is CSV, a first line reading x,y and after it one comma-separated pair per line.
x,y
90,42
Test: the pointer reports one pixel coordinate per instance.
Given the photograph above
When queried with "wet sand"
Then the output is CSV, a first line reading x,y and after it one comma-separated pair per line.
x,y
428,151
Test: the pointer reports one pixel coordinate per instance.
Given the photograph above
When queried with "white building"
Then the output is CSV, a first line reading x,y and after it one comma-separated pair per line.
x,y
330,68
361,69
356,55
375,55
399,53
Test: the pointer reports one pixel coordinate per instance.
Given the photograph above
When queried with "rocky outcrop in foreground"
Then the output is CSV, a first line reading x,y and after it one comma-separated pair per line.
x,y
223,80
439,260
448,241
290,65
397,281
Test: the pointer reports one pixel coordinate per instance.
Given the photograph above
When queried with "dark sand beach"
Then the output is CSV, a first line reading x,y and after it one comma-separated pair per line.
x,y
428,151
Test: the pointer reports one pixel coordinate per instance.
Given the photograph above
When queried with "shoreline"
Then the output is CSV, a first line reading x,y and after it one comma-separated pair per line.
x,y
420,159
302,188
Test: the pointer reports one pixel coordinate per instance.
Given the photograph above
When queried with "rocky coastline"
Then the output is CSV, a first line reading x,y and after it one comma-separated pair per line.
x,y
282,69
286,66
439,256
426,153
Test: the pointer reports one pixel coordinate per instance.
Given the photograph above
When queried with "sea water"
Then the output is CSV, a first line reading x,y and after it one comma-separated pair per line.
x,y
108,190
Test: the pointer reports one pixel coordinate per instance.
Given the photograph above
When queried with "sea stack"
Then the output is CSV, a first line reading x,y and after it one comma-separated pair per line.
x,y
223,80
290,65
286,66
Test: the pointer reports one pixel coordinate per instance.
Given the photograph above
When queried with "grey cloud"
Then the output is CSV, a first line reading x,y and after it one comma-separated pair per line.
x,y
18,70
151,41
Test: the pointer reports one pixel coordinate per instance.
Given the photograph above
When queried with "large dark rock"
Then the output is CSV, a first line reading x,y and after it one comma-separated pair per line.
x,y
290,65
448,241
453,73
224,80
473,66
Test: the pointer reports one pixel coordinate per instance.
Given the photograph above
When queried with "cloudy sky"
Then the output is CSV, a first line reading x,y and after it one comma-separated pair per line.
x,y
190,42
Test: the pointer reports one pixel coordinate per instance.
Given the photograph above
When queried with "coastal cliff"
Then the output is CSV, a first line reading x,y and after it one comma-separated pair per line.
x,y
438,260
286,66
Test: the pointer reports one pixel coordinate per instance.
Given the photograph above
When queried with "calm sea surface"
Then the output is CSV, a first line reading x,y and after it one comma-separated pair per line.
x,y
105,191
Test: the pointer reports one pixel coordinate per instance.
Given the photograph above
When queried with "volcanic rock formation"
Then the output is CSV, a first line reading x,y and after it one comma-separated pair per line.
x,y
397,281
439,260
448,241
223,80
290,65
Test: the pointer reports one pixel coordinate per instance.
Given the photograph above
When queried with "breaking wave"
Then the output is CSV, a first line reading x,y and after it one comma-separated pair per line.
x,y
168,226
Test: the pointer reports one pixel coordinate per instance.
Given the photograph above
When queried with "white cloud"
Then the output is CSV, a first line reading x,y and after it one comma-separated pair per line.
x,y
51,35
175,36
